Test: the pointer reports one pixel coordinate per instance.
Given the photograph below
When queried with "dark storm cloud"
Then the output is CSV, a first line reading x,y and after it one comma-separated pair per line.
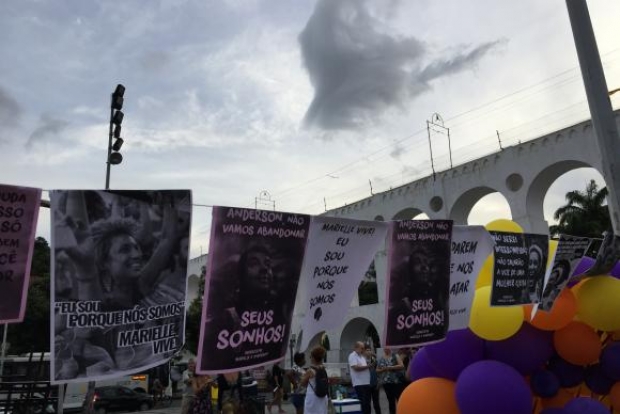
x,y
48,128
359,70
10,111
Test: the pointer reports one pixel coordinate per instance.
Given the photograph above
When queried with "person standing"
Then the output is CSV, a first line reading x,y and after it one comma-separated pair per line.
x,y
360,376
298,371
202,403
277,377
188,390
389,367
313,404
371,359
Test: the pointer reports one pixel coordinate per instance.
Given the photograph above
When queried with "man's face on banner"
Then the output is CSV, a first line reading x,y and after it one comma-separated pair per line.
x,y
424,267
259,274
125,257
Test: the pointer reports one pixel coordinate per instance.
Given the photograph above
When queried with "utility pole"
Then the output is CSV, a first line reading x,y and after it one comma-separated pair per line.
x,y
603,120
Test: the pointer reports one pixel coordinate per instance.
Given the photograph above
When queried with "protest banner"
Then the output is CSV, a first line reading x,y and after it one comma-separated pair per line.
x,y
520,267
119,269
338,254
471,245
255,259
418,282
568,254
19,210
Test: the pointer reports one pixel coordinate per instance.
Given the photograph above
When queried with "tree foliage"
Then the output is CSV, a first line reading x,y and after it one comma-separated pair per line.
x,y
585,213
33,334
194,315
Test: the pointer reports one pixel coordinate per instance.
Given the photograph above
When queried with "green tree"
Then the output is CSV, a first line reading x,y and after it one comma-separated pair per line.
x,y
194,315
585,213
33,334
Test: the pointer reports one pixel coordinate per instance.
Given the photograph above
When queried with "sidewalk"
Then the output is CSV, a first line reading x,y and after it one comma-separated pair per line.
x,y
286,406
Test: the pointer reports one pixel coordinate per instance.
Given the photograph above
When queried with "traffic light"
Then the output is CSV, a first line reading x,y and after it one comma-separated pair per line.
x,y
116,119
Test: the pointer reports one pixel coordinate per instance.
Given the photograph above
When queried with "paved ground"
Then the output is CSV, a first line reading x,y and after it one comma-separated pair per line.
x,y
175,408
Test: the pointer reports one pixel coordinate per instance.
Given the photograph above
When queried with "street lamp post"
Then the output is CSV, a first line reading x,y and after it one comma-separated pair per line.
x,y
291,345
116,119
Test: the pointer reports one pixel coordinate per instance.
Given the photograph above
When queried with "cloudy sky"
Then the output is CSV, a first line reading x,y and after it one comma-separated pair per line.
x,y
305,99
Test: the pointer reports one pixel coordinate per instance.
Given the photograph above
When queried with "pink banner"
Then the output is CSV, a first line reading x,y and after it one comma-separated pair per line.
x,y
19,210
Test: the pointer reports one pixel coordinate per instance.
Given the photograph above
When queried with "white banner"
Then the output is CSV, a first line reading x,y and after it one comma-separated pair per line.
x,y
338,254
471,245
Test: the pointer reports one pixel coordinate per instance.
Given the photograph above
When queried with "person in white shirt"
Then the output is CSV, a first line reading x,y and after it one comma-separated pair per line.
x,y
360,376
188,391
313,404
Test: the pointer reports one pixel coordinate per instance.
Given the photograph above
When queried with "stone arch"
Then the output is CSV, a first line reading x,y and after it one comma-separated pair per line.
x,y
538,188
353,331
407,213
465,202
314,341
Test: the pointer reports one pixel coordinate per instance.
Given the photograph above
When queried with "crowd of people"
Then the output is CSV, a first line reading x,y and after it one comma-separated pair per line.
x,y
369,375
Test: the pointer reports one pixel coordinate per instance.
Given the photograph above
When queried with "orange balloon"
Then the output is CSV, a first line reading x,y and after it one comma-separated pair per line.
x,y
577,343
561,314
614,396
557,401
428,396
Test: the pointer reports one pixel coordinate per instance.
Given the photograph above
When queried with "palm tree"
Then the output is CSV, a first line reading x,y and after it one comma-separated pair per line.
x,y
585,213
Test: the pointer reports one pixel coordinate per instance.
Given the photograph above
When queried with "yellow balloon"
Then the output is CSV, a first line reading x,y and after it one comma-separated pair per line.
x,y
493,323
553,246
599,303
485,276
504,225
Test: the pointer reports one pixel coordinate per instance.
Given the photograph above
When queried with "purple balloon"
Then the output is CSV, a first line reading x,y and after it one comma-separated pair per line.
x,y
615,271
526,351
597,381
544,383
459,350
610,360
582,405
553,410
420,367
583,266
569,375
492,387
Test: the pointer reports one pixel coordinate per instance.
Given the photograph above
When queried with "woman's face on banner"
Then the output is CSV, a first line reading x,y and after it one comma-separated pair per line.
x,y
259,274
534,263
125,257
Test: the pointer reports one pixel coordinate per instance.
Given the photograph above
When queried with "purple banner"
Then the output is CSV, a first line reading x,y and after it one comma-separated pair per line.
x,y
418,283
255,260
19,210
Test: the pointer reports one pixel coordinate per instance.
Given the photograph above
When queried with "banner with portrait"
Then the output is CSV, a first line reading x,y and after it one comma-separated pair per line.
x,y
471,245
255,259
520,268
418,282
568,254
19,210
338,255
119,270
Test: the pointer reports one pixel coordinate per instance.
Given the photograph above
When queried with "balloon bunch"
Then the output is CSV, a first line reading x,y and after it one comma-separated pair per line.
x,y
565,361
